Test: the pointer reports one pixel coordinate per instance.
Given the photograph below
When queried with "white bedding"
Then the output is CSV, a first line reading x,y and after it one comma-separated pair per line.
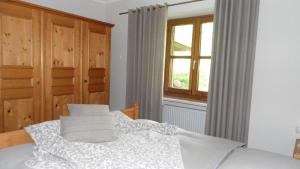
x,y
245,158
197,152
141,145
198,149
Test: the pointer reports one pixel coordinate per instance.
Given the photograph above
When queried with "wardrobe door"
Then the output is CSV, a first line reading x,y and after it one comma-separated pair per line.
x,y
20,89
62,64
96,63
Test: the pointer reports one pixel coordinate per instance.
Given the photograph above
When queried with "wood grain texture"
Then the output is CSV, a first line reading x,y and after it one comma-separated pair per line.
x,y
63,72
16,72
63,46
62,63
16,83
96,98
14,138
96,63
132,112
20,111
17,49
20,93
60,105
20,66
18,137
296,154
50,58
96,82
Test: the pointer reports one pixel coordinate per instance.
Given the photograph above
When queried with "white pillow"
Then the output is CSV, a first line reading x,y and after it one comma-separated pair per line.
x,y
87,109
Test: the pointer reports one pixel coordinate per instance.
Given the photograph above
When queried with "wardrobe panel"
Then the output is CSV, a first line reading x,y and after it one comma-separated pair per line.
x,y
62,63
16,42
60,105
17,113
20,68
63,45
96,98
96,63
16,83
97,50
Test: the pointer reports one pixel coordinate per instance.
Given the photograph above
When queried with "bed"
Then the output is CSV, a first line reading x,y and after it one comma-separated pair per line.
x,y
197,151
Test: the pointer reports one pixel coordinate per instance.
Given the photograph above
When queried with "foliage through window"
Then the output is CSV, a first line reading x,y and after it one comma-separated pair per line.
x,y
188,57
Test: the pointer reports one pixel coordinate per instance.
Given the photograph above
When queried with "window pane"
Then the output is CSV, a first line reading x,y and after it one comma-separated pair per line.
x,y
204,71
181,73
182,40
206,39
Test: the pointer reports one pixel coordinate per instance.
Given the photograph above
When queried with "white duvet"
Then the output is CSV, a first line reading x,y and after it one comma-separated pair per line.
x,y
144,144
141,145
205,152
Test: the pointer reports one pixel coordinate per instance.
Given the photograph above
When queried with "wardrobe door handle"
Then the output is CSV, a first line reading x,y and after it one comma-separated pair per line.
x,y
85,81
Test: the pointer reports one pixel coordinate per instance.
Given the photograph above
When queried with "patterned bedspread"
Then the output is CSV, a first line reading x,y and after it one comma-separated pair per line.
x,y
141,144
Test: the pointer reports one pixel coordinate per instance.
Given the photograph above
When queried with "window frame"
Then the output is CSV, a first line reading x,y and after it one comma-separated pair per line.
x,y
192,93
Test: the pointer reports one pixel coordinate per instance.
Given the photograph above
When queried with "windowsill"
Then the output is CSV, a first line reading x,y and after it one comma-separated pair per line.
x,y
184,101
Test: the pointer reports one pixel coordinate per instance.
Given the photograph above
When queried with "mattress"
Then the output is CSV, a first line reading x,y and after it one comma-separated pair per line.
x,y
196,151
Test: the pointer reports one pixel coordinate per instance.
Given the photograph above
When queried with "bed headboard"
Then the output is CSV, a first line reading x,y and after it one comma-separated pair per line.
x,y
14,138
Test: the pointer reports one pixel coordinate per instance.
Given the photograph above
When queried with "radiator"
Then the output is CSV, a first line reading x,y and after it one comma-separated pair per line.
x,y
184,114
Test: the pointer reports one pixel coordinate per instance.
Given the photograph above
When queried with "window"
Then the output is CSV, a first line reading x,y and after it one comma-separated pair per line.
x,y
188,57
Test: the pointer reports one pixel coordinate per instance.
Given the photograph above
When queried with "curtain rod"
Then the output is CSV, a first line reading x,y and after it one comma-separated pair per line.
x,y
169,5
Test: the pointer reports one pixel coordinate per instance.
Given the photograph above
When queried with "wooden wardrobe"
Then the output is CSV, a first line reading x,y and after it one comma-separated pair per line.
x,y
47,60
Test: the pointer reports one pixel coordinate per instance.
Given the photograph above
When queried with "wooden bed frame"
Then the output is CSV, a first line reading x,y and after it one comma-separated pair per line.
x,y
14,138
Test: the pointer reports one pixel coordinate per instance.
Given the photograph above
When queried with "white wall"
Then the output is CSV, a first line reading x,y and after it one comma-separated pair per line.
x,y
86,8
276,91
119,37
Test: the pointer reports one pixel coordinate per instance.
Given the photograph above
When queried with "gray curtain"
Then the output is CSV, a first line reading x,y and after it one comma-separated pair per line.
x,y
230,88
145,60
